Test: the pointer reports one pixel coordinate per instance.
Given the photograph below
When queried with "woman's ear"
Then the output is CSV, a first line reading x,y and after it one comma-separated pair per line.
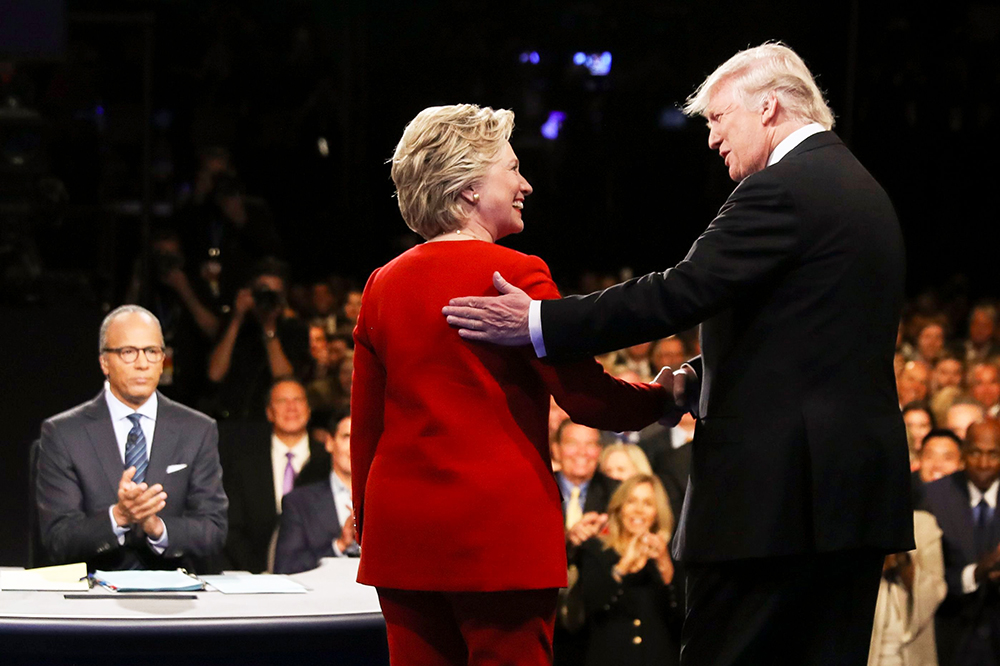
x,y
471,196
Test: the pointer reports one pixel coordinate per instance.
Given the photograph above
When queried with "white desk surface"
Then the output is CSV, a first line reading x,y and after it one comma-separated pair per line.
x,y
334,595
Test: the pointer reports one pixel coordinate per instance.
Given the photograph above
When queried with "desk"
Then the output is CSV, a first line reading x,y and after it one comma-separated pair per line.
x,y
337,622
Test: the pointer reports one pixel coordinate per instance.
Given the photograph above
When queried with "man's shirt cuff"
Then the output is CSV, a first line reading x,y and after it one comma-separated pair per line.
x,y
535,328
969,584
116,528
161,544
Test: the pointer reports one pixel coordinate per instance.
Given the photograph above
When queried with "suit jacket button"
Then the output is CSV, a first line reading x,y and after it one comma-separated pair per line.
x,y
637,640
637,622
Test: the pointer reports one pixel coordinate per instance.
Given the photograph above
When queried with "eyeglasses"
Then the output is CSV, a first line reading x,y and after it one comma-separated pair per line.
x,y
130,354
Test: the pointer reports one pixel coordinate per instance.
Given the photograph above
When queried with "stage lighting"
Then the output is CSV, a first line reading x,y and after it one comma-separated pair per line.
x,y
530,57
323,147
550,130
599,64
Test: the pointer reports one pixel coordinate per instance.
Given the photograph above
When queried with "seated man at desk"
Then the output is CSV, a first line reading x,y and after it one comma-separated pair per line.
x,y
318,519
130,479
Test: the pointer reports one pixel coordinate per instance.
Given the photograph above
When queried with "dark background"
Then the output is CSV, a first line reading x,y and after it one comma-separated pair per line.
x,y
112,100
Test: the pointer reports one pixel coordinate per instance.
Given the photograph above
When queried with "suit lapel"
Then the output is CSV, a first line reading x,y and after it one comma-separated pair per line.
x,y
102,437
326,509
165,438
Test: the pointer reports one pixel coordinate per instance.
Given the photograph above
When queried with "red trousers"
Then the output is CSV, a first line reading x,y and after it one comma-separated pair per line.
x,y
469,628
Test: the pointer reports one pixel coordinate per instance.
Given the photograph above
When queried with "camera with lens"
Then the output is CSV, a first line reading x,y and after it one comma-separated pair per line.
x,y
266,300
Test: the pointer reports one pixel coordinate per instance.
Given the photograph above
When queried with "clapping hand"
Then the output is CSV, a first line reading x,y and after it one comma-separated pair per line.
x,y
588,526
139,503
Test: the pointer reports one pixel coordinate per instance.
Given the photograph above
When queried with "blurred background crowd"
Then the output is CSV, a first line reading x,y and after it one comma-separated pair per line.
x,y
222,164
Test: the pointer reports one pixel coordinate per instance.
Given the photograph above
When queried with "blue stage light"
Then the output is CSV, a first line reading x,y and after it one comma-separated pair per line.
x,y
550,130
579,58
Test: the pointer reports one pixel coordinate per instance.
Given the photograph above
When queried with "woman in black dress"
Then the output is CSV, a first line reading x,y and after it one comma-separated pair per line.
x,y
632,610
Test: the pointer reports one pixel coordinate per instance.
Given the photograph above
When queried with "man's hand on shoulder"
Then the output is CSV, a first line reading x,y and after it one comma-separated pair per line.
x,y
502,320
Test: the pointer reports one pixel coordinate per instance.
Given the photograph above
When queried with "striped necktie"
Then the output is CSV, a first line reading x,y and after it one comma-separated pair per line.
x,y
135,449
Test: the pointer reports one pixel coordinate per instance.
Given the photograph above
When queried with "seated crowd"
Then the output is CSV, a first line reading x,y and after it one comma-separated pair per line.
x,y
272,363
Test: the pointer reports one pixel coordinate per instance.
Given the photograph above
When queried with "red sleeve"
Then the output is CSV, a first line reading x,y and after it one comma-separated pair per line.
x,y
590,395
367,405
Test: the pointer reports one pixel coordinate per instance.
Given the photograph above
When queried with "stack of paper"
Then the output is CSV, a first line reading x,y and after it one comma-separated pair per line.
x,y
62,578
148,581
251,584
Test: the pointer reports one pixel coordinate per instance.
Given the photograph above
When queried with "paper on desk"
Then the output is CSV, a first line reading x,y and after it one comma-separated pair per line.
x,y
149,581
253,584
62,578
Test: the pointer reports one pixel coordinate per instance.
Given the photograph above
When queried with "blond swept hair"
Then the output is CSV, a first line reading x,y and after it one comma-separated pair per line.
x,y
758,71
443,151
634,453
663,525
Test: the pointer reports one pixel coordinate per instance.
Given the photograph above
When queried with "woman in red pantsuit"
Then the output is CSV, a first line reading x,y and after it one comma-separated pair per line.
x,y
459,516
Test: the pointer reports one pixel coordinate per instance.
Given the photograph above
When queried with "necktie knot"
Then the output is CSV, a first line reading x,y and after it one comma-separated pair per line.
x,y
135,419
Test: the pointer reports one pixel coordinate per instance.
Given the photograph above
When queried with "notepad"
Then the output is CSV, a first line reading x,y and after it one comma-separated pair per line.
x,y
254,584
62,578
148,581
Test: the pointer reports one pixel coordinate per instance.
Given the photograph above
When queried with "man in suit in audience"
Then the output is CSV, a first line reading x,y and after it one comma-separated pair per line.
x,y
318,519
130,479
965,503
263,468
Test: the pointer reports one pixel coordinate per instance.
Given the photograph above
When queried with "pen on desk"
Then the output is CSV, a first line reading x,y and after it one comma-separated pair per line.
x,y
95,579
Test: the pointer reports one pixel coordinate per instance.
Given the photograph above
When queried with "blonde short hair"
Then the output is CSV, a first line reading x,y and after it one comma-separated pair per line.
x,y
663,524
443,151
634,453
755,72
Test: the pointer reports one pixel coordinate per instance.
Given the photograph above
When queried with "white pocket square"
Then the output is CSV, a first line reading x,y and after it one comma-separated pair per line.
x,y
175,468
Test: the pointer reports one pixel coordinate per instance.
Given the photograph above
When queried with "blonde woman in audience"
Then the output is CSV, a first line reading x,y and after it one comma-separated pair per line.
x,y
621,461
626,577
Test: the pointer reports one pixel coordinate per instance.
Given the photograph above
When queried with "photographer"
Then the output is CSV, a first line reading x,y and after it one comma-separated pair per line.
x,y
260,343
189,325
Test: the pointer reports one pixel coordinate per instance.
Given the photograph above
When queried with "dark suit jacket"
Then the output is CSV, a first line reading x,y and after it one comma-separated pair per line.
x,y
961,617
79,467
672,465
249,482
798,283
309,525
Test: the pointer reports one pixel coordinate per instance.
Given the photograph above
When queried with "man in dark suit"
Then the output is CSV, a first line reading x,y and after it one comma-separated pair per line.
x,y
130,479
799,476
261,466
964,503
317,520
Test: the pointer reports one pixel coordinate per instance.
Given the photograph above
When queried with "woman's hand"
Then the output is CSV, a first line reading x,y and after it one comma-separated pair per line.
x,y
633,559
656,547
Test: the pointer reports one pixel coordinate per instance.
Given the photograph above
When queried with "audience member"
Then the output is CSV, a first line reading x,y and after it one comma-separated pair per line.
x,y
964,503
101,497
323,306
258,345
984,387
962,413
556,417
909,594
263,467
981,345
631,608
912,382
318,519
919,421
940,455
948,372
350,310
621,461
930,343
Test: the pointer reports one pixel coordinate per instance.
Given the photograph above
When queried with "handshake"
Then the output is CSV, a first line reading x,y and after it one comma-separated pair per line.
x,y
683,384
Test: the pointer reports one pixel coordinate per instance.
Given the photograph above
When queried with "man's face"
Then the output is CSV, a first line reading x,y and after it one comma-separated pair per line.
x,y
738,134
948,372
930,342
960,417
132,383
982,457
912,384
579,449
980,327
984,386
338,445
352,307
939,457
288,409
317,344
322,299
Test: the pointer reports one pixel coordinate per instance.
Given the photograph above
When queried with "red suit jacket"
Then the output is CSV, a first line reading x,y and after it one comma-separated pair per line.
x,y
453,486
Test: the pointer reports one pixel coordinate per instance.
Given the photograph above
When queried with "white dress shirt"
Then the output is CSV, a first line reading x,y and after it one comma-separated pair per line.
x,y
782,149
122,425
300,456
969,583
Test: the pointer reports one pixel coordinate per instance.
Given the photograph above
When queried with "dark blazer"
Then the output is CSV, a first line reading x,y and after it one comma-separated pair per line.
x,y
641,605
673,466
308,527
968,625
249,482
798,284
79,467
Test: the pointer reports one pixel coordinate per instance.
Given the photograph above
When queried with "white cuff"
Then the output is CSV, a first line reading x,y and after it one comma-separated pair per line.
x,y
116,528
535,328
336,551
969,584
161,544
